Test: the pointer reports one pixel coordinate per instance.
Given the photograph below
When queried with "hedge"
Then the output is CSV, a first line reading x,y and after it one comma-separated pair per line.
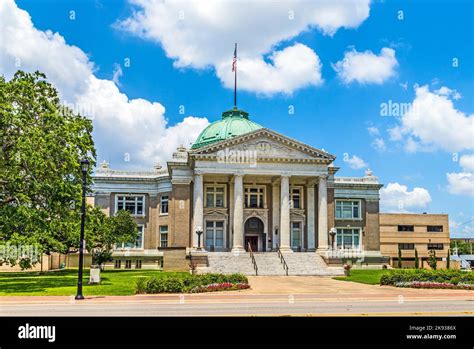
x,y
187,283
450,276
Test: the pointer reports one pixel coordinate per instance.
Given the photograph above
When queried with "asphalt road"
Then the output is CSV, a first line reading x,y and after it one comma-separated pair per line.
x,y
299,305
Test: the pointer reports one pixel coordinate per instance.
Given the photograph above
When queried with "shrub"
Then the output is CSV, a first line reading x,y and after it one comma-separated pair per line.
x,y
190,283
140,285
422,275
432,262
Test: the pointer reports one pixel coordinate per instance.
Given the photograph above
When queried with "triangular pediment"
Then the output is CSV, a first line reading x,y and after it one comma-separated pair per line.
x,y
265,144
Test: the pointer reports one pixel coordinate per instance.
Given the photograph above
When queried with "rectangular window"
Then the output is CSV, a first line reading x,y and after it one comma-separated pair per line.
x,y
255,197
138,264
296,234
434,228
296,198
347,209
133,204
117,264
138,244
214,234
406,246
164,204
128,264
406,228
163,236
348,238
215,196
435,246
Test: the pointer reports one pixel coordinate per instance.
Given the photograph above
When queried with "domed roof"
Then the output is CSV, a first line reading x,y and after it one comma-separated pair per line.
x,y
234,122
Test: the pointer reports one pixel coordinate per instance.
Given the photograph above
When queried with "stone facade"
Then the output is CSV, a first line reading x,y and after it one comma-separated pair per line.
x,y
260,190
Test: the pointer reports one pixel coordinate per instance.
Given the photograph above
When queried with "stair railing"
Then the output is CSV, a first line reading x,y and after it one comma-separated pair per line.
x,y
282,260
252,257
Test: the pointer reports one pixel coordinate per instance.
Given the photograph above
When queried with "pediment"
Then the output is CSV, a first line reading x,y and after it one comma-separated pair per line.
x,y
265,144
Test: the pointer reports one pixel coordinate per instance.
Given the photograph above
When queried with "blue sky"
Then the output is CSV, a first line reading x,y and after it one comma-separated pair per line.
x,y
431,44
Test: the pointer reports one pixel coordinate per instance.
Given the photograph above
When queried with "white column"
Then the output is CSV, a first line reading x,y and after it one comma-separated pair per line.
x,y
238,243
285,214
198,209
275,215
231,215
311,210
322,215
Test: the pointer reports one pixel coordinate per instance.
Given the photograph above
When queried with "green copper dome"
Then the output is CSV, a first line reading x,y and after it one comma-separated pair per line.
x,y
234,122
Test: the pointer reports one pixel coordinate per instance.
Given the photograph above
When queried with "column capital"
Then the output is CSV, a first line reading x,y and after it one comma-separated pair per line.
x,y
285,175
239,173
198,172
323,177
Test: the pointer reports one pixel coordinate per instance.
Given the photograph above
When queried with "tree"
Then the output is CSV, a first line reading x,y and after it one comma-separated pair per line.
x,y
417,261
102,233
432,261
399,258
42,143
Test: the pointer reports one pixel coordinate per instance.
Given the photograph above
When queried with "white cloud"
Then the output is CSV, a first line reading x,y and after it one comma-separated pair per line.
x,y
200,35
467,162
292,68
356,162
396,197
373,131
125,125
434,123
461,183
366,67
379,144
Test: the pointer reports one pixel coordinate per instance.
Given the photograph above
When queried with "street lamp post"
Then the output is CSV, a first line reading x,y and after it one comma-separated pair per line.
x,y
84,169
199,232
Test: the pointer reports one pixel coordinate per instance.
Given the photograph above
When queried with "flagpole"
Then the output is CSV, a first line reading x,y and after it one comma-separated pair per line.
x,y
235,77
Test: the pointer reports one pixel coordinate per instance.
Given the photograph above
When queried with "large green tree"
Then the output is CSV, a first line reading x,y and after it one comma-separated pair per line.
x,y
42,143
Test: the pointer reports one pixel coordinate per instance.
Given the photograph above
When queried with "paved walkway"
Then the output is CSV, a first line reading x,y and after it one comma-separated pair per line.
x,y
270,295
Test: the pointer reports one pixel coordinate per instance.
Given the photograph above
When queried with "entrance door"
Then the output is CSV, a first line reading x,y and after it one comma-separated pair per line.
x,y
253,241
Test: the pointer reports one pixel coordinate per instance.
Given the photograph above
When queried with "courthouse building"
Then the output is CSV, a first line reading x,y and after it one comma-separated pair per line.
x,y
244,187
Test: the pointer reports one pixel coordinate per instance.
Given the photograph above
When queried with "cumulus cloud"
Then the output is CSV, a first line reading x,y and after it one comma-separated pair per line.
x,y
462,183
366,67
433,123
126,125
198,35
355,162
396,197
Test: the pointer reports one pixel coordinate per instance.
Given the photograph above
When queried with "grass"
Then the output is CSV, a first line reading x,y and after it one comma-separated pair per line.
x,y
64,282
364,276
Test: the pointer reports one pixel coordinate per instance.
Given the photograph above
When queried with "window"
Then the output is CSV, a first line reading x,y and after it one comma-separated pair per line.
x,y
138,242
128,264
406,246
164,204
215,196
406,228
296,201
138,264
132,204
117,264
435,246
434,228
296,234
163,236
255,197
215,234
347,209
348,238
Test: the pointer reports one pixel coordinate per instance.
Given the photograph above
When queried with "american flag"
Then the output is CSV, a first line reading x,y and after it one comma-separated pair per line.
x,y
234,61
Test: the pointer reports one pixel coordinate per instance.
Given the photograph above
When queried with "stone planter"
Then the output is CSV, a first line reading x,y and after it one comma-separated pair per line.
x,y
94,274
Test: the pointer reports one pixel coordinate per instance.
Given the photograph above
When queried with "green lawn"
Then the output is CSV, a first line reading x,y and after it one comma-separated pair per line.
x,y
364,276
64,282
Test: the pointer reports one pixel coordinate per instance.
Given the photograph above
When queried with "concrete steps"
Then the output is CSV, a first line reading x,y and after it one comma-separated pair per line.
x,y
309,263
299,263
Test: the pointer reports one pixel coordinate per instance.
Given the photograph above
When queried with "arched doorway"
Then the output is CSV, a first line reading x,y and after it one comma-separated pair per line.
x,y
254,234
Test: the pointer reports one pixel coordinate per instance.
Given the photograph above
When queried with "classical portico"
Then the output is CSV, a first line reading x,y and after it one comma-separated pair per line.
x,y
263,190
